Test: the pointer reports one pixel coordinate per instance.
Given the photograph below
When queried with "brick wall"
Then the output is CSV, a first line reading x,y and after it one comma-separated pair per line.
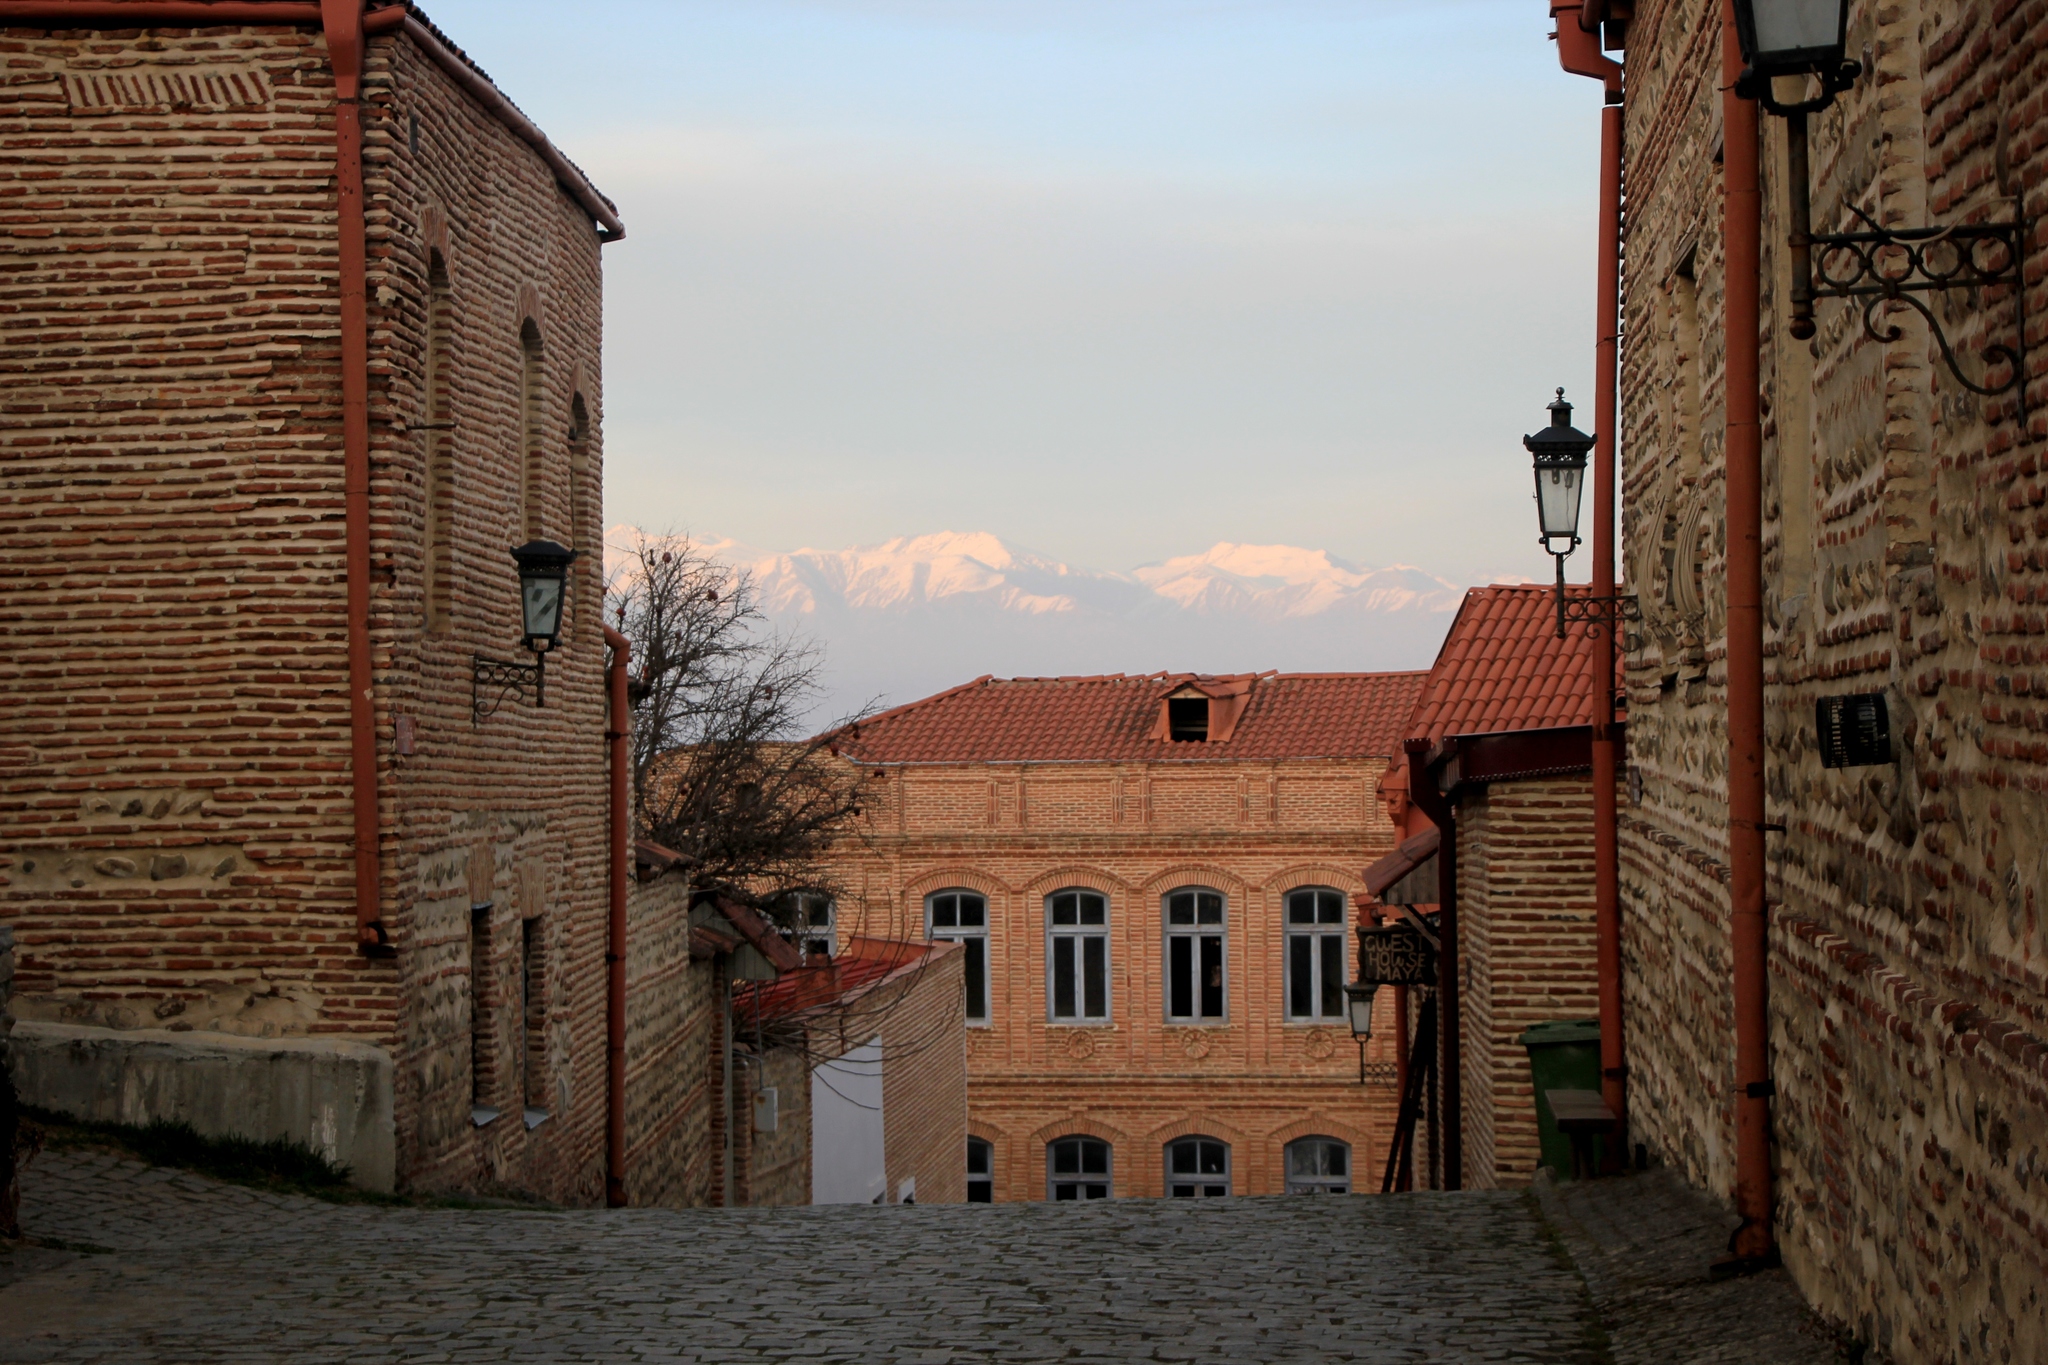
x,y
1525,924
1018,832
176,810
1909,1015
775,1168
671,1028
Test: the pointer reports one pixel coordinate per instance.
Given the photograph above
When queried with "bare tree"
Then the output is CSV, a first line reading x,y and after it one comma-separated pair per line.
x,y
727,768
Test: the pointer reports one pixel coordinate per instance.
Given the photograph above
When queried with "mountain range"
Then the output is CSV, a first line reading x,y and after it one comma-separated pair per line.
x,y
917,614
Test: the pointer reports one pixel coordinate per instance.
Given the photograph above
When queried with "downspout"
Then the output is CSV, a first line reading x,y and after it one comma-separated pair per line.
x,y
1754,1243
342,24
617,731
1578,50
1423,791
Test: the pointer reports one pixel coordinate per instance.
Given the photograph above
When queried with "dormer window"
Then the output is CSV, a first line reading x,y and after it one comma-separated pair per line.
x,y
1187,719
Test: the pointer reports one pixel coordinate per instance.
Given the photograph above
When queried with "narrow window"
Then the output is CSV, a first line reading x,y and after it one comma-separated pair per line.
x,y
533,1015
981,1171
438,570
1077,968
483,1077
585,570
1077,1168
1194,954
962,917
1197,1168
1315,953
1318,1165
532,476
1187,719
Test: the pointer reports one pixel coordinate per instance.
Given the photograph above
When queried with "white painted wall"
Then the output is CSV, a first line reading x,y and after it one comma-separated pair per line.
x,y
848,1165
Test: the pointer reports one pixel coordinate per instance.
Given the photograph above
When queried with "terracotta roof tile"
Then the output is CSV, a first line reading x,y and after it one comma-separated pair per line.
x,y
1502,667
1112,718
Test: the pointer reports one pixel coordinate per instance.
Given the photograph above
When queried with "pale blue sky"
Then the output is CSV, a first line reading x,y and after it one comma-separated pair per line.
x,y
1114,280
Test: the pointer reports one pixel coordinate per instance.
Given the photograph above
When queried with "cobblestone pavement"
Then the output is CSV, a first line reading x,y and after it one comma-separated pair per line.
x,y
159,1265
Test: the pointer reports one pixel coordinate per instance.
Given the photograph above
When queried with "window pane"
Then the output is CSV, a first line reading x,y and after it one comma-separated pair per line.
x,y
1063,977
1333,974
1066,1192
1180,908
1208,908
1180,976
977,976
1094,1157
1334,1157
973,912
1213,1158
981,1192
945,912
1300,976
1066,1157
979,1156
1095,983
1301,907
1182,1157
1097,1191
1212,976
1065,908
1094,909
1330,907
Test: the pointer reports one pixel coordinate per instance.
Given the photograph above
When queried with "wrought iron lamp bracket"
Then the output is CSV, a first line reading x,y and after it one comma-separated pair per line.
x,y
1751,86
506,678
1598,613
1894,265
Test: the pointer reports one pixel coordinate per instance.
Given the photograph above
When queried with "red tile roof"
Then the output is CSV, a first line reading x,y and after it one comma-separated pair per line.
x,y
1113,717
864,963
1502,667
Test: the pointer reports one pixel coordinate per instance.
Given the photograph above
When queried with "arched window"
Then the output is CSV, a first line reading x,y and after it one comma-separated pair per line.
x,y
958,916
1077,955
532,441
1197,1168
1077,1168
813,924
438,569
1318,1165
589,569
1194,954
981,1171
1315,953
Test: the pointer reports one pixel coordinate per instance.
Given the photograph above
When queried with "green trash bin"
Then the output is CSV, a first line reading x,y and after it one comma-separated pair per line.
x,y
1562,1056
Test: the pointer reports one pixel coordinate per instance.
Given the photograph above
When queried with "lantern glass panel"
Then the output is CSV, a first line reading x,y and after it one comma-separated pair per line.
x,y
1557,500
1795,33
541,596
1360,1008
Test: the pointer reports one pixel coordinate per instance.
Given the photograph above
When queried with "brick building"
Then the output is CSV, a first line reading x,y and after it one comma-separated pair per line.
x,y
1902,556
1154,881
301,332
1501,739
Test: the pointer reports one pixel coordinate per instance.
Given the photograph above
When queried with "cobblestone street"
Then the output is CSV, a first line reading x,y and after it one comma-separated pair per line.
x,y
165,1266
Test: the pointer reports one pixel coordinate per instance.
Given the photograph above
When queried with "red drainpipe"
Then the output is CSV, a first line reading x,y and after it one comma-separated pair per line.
x,y
1430,800
617,730
1755,1242
1578,50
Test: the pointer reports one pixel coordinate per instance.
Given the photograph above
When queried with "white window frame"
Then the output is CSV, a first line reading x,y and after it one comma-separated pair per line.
x,y
985,1179
1053,1180
1193,933
971,936
809,932
1318,1183
1323,941
1198,1184
1076,939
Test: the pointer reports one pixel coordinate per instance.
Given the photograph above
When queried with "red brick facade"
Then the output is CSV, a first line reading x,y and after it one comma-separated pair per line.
x,y
176,819
1242,816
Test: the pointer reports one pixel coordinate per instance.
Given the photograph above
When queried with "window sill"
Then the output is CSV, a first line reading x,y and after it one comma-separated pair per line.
x,y
534,1118
1207,1025
482,1115
1102,1024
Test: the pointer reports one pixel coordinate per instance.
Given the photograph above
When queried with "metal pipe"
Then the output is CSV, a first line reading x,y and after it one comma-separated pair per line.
x,y
1606,841
1423,792
342,25
1749,940
618,729
1799,219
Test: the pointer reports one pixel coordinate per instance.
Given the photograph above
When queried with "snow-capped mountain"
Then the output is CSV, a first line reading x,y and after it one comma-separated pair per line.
x,y
911,616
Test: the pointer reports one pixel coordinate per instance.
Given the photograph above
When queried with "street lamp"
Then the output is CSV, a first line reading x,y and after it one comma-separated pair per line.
x,y
1559,452
543,584
543,589
1794,38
